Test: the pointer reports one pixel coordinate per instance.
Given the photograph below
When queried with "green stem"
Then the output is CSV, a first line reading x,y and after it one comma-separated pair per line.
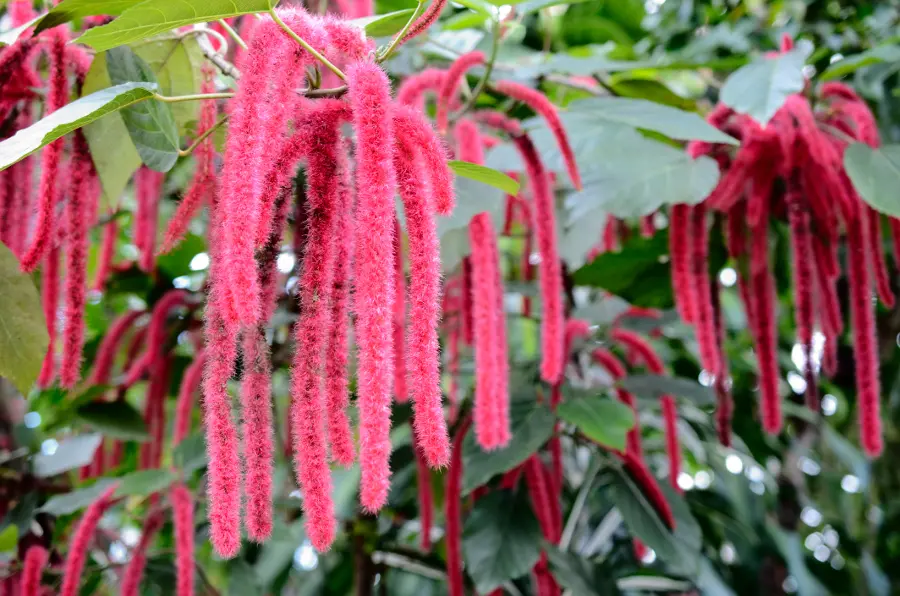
x,y
195,97
399,37
315,54
489,68
234,34
202,137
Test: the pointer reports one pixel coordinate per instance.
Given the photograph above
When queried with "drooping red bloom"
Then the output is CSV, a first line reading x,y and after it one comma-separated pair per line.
x,y
616,370
423,364
203,184
538,102
155,413
77,208
700,287
425,20
469,145
453,503
541,499
35,561
106,353
399,316
876,256
107,254
466,302
544,217
256,432
426,504
411,91
50,304
131,581
183,519
190,384
156,335
57,96
451,83
370,98
148,188
804,315
79,544
673,449
491,390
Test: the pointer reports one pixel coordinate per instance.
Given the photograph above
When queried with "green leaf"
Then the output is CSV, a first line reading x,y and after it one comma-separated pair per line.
x,y
71,453
640,113
579,575
9,538
152,17
485,175
383,25
501,539
116,419
242,580
655,386
875,174
532,425
472,197
602,419
151,124
791,547
70,10
850,64
190,454
481,6
71,502
23,330
878,582
144,483
11,36
71,117
760,88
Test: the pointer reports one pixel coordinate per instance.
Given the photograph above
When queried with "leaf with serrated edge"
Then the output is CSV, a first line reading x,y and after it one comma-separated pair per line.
x,y
23,330
71,117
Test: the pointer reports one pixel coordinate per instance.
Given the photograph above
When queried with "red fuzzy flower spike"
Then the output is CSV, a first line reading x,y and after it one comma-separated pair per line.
x,y
256,431
35,561
400,392
370,98
107,255
544,221
453,504
469,144
79,545
423,364
148,187
450,87
616,370
650,488
411,91
131,581
50,304
190,384
804,315
700,288
309,407
425,21
538,102
183,518
765,333
426,503
57,96
77,209
106,353
673,449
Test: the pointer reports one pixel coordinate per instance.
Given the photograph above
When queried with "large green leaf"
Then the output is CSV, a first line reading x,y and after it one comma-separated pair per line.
x,y
383,25
77,499
117,419
655,386
640,113
501,539
151,124
601,419
190,454
484,175
23,330
71,453
849,64
532,425
578,575
71,117
70,10
144,483
760,88
152,17
472,197
875,174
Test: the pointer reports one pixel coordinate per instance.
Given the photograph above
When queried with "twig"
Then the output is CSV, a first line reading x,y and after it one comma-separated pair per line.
x,y
488,69
193,97
578,506
607,527
234,34
399,561
219,61
399,37
202,137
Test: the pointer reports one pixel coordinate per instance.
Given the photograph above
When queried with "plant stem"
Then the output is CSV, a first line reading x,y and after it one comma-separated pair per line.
x,y
234,34
578,506
489,68
399,37
202,137
194,97
315,54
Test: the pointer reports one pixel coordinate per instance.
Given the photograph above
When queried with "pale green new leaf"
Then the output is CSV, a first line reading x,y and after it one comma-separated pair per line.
x,y
484,174
875,174
23,331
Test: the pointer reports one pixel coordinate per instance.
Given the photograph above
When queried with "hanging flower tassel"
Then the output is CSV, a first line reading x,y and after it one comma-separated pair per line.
x,y
79,545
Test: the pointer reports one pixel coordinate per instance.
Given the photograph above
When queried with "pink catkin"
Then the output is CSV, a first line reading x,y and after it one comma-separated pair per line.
x,y
491,401
700,287
679,248
256,431
876,257
426,504
49,304
109,346
340,434
538,102
399,317
156,335
541,499
765,335
370,98
190,384
79,545
451,83
466,306
417,132
673,449
411,91
35,561
423,365
804,315
57,96
131,581
453,504
203,183
183,517
79,198
148,187
107,255
425,20
617,370
309,404
544,218
469,146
